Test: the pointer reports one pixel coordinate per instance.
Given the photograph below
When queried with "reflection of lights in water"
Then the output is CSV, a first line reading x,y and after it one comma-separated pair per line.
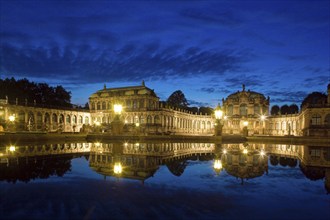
x,y
245,151
217,164
12,148
118,169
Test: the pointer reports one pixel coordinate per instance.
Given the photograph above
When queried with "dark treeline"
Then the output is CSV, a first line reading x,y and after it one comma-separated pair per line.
x,y
42,93
178,100
284,109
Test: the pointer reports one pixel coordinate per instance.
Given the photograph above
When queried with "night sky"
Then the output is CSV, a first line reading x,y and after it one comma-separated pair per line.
x,y
207,49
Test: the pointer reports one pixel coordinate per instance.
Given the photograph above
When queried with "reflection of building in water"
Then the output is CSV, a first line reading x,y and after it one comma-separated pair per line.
x,y
24,163
244,161
141,160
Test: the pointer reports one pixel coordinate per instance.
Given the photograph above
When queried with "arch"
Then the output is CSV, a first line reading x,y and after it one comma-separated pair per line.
x,y
129,119
243,109
61,118
149,119
104,119
283,126
142,120
39,120
74,119
86,120
208,125
54,118
316,119
80,119
68,119
104,105
203,124
136,119
157,119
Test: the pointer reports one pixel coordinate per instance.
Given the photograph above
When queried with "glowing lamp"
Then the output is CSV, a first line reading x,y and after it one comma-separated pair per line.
x,y
245,151
117,108
262,117
97,123
137,124
12,148
218,114
245,123
11,118
217,164
224,151
262,153
117,169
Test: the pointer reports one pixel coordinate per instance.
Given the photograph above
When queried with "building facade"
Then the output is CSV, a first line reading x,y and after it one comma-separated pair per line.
x,y
143,114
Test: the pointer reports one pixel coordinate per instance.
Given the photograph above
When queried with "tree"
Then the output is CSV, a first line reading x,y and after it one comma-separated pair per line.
x,y
314,98
293,109
284,109
177,99
206,110
275,110
42,93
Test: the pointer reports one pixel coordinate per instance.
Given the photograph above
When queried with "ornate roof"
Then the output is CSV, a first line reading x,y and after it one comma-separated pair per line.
x,y
123,91
248,93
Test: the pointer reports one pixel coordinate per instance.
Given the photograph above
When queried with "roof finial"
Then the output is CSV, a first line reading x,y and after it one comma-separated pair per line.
x,y
243,87
143,83
104,87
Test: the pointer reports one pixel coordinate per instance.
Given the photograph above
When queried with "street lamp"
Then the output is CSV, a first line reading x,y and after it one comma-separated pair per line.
x,y
245,128
218,113
12,118
217,166
117,109
117,169
263,118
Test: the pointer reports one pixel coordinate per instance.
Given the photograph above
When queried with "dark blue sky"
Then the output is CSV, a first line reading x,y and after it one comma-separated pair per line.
x,y
205,48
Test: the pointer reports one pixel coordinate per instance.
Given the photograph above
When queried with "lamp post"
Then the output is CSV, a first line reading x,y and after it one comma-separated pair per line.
x,y
11,125
218,113
117,125
245,128
263,118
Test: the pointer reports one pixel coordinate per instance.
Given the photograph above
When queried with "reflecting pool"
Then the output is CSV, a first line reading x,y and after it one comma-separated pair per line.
x,y
164,181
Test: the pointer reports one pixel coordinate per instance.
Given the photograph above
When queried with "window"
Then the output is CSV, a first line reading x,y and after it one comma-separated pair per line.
x,y
230,110
98,106
104,106
257,110
68,119
243,109
316,119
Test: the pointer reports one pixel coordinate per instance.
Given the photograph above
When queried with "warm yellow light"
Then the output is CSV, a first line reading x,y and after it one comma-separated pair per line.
x,y
97,123
218,114
126,121
217,164
245,123
117,169
12,148
137,124
125,144
262,117
225,117
262,153
97,144
224,151
117,108
1,154
11,118
245,151
137,144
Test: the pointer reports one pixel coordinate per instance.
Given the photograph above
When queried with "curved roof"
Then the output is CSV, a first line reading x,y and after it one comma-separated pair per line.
x,y
249,93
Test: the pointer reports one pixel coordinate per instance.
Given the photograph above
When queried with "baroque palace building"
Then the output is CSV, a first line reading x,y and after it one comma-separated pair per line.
x,y
143,114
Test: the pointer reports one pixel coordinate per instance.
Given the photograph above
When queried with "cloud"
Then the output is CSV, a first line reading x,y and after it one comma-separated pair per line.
x,y
130,63
286,96
210,16
197,103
